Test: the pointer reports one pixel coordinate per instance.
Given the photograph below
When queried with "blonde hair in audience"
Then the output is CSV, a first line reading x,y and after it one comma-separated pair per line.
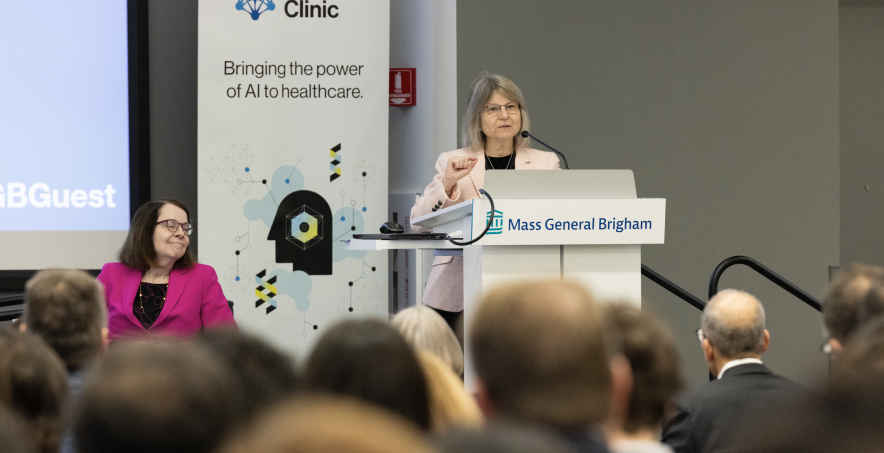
x,y
424,329
450,404
329,424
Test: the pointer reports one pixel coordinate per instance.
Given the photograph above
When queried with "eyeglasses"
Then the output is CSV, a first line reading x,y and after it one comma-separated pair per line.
x,y
172,225
494,109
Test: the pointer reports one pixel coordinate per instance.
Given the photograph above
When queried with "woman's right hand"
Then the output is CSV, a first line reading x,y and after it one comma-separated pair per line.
x,y
456,169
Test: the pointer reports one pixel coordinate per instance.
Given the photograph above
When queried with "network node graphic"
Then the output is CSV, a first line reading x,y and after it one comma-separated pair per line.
x,y
370,297
364,174
236,278
347,306
303,227
232,169
255,7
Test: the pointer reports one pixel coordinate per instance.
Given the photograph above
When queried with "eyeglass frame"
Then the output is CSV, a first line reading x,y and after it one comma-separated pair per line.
x,y
188,230
501,108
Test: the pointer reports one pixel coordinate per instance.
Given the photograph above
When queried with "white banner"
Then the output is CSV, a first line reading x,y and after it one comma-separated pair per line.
x,y
293,158
571,221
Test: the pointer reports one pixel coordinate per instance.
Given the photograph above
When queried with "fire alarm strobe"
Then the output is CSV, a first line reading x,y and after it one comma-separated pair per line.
x,y
402,87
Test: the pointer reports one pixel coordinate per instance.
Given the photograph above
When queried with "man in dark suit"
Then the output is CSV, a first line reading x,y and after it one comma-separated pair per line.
x,y
709,417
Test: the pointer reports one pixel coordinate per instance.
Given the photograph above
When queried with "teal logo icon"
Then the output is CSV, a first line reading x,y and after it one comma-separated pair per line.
x,y
497,225
255,7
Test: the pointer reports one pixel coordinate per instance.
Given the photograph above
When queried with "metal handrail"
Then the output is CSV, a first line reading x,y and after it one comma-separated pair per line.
x,y
15,299
673,288
9,314
766,273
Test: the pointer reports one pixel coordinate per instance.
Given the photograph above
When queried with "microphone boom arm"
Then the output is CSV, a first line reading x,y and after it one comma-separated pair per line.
x,y
528,134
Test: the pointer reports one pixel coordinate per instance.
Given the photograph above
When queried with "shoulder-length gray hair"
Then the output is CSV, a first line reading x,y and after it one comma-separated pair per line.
x,y
482,89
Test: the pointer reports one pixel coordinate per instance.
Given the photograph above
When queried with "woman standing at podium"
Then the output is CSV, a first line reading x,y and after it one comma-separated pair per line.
x,y
490,133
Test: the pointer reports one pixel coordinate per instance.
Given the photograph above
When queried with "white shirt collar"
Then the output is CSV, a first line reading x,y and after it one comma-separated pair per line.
x,y
737,362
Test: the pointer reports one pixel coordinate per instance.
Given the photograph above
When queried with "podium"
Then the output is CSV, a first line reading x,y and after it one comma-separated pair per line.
x,y
580,225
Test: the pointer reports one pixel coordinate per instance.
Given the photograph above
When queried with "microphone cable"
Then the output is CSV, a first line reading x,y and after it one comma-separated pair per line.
x,y
487,227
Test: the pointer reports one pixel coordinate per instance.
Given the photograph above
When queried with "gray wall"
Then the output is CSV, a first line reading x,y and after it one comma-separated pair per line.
x,y
728,109
862,134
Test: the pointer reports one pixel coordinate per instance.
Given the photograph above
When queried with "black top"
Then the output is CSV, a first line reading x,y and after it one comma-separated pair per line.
x,y
507,162
149,302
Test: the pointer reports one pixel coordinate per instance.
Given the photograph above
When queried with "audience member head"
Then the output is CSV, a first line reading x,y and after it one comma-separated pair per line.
x,y
139,251
33,384
450,404
861,363
503,437
66,308
843,301
424,329
14,433
155,397
540,355
733,328
263,374
656,369
329,425
369,360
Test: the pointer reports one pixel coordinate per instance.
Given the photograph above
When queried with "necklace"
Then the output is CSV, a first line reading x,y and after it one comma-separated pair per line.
x,y
141,300
507,163
155,275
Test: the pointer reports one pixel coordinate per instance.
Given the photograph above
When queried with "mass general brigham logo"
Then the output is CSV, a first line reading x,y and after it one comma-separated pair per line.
x,y
497,226
255,7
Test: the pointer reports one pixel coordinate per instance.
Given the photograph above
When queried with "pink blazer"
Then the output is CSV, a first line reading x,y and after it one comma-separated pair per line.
x,y
445,285
194,301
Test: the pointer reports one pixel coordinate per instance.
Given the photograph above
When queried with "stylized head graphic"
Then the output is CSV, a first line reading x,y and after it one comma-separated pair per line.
x,y
255,7
302,230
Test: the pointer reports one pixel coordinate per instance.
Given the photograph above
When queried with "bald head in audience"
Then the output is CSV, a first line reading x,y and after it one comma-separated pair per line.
x,y
733,327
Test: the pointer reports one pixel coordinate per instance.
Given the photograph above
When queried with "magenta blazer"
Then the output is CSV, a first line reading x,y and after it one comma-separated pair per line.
x,y
194,301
